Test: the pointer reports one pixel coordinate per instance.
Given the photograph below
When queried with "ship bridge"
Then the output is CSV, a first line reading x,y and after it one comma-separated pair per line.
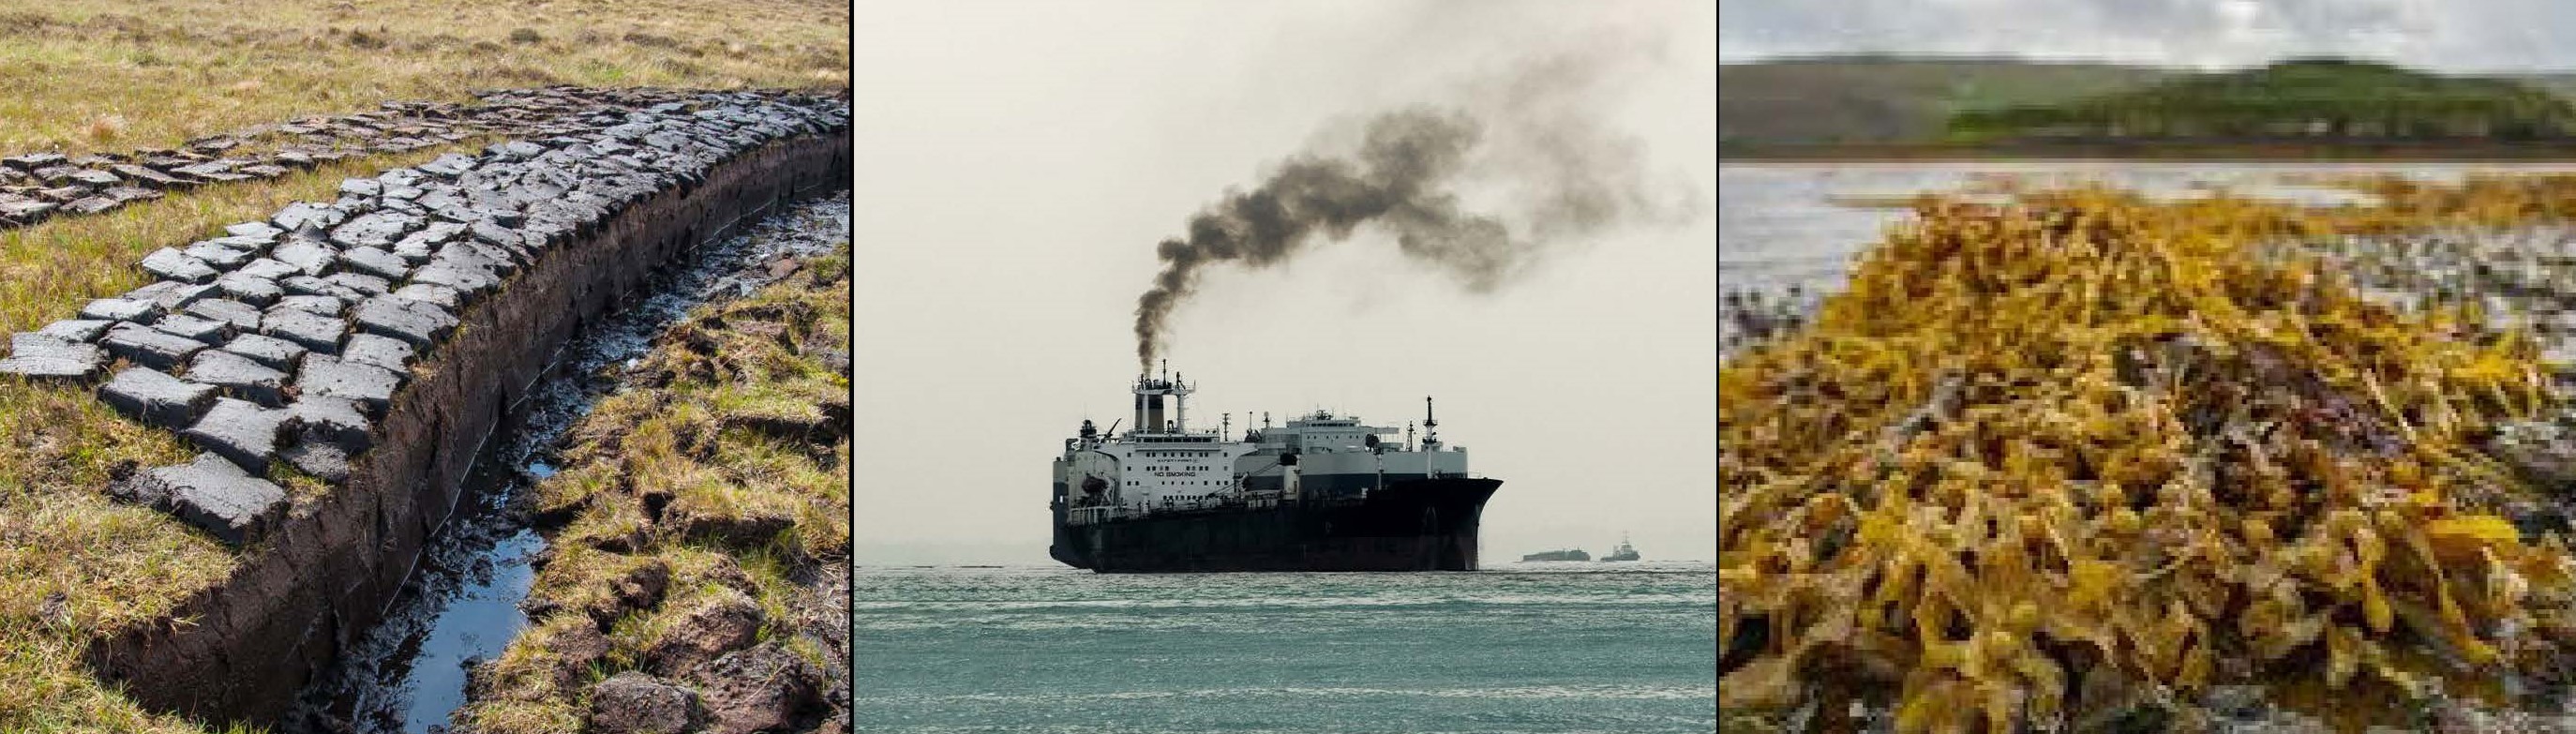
x,y
1164,464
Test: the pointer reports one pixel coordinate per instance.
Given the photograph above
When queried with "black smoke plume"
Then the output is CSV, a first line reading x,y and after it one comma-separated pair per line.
x,y
1403,179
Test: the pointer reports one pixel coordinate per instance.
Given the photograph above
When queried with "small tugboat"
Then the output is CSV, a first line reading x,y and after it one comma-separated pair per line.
x,y
1624,552
1575,554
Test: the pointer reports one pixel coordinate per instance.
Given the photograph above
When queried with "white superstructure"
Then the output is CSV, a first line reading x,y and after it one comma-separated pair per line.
x,y
1162,464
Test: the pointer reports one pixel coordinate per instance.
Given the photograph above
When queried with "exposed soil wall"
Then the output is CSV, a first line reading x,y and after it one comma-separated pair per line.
x,y
331,567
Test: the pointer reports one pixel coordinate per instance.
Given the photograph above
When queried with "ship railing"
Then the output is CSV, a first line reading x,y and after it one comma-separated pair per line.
x,y
1090,515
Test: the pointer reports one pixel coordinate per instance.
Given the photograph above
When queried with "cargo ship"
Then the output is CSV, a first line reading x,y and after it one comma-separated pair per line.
x,y
1624,552
1575,554
1324,492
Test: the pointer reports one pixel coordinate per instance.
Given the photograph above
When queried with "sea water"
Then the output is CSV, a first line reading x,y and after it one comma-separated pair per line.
x,y
1519,647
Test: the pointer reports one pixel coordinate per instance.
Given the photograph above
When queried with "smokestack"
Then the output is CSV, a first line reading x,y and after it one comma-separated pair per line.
x,y
1154,412
1531,129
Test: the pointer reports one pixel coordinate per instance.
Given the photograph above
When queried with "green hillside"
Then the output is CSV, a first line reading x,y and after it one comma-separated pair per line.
x,y
1889,99
2302,98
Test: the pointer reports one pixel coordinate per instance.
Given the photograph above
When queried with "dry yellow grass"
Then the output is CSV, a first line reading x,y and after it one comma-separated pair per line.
x,y
93,75
72,563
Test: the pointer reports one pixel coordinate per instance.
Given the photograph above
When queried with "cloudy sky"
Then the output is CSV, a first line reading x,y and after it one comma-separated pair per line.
x,y
1018,161
2462,35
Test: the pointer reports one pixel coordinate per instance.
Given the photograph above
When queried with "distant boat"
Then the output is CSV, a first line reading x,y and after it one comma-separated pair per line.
x,y
1576,554
1624,552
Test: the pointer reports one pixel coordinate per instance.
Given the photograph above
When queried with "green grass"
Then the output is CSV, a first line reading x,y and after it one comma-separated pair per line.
x,y
704,436
88,75
93,75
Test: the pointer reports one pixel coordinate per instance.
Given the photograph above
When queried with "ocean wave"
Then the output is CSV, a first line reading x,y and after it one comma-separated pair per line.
x,y
1548,692
1510,600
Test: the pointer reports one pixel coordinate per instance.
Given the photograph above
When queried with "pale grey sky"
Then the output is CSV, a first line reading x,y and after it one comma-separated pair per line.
x,y
1018,162
2459,35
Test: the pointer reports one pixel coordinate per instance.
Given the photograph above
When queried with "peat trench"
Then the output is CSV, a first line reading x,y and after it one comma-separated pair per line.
x,y
460,605
377,344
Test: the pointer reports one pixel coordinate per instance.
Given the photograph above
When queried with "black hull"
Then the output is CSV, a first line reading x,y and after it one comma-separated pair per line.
x,y
1412,525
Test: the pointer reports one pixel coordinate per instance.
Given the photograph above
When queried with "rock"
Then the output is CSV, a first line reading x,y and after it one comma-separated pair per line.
x,y
44,356
250,289
261,230
241,431
306,329
150,347
449,166
77,330
171,264
376,229
494,233
303,214
177,295
25,211
387,352
515,149
218,254
319,459
361,284
456,276
311,258
761,689
240,376
418,247
372,261
101,179
120,309
129,194
33,161
2544,453
91,204
156,398
2235,701
361,187
234,314
211,493
306,285
268,351
636,703
266,269
336,420
324,305
369,386
422,324
431,293
209,331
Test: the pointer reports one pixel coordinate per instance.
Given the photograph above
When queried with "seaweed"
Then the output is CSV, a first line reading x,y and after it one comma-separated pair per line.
x,y
2080,435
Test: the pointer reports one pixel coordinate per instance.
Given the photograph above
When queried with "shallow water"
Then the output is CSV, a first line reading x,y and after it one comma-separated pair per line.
x,y
461,605
1779,223
1520,647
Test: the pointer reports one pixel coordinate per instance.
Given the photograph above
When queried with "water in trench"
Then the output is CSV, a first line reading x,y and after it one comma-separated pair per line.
x,y
461,604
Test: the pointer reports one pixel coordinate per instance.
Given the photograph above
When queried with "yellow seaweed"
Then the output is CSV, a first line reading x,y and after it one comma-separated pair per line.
x,y
2085,426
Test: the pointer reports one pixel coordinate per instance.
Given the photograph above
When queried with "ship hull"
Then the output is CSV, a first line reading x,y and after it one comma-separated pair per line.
x,y
1412,525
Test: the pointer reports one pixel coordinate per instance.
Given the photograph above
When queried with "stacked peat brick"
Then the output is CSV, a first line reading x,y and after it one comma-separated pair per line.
x,y
283,341
37,186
